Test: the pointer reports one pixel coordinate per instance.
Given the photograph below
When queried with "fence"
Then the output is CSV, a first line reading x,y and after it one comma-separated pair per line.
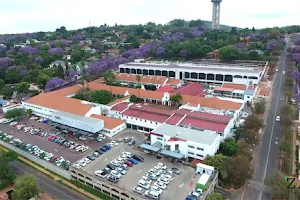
x,y
62,172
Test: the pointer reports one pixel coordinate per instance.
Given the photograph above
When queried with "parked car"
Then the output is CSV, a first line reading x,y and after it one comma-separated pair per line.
x,y
111,166
138,158
103,149
83,138
138,190
132,142
176,170
107,146
116,174
129,164
135,162
160,185
127,139
144,184
152,194
91,157
99,151
112,178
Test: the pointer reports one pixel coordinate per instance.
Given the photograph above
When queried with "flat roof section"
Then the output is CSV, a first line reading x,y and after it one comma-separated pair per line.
x,y
202,137
172,154
204,124
146,115
223,89
203,179
78,117
150,147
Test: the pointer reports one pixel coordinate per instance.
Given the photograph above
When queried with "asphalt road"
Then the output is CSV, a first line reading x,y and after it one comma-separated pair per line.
x,y
48,186
268,158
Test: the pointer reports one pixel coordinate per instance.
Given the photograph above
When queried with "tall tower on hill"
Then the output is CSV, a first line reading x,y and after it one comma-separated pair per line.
x,y
216,14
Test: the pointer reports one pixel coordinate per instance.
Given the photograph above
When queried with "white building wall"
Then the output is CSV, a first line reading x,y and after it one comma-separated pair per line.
x,y
140,122
114,131
39,110
77,123
189,148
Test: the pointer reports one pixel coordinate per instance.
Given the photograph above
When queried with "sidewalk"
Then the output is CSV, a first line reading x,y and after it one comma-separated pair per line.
x,y
56,178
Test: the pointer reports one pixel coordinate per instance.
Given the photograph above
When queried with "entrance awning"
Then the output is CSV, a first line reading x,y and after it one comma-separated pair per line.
x,y
150,147
172,154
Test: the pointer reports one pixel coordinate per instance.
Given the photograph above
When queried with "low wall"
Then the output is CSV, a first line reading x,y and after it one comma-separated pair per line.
x,y
60,171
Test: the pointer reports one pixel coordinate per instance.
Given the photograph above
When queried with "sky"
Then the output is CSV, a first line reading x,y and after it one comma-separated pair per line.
x,y
21,16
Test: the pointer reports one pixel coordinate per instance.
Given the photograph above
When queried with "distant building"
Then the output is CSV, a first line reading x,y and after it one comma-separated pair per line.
x,y
57,63
215,54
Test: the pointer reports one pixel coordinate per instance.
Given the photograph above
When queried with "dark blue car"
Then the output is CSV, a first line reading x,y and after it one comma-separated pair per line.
x,y
191,197
107,146
103,149
135,162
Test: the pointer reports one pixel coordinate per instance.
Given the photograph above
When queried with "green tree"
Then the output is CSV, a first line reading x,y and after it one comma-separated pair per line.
x,y
253,55
42,80
6,173
215,196
288,111
26,187
109,77
260,107
229,147
228,53
220,162
253,29
10,156
177,23
7,91
251,136
274,34
60,72
253,122
12,75
196,23
101,97
29,112
14,113
278,185
133,98
1,83
233,30
176,98
239,133
244,149
23,87
239,170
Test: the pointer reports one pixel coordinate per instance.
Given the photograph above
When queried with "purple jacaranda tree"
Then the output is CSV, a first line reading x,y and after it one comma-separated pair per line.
x,y
11,52
282,40
241,47
54,83
11,38
296,40
184,53
273,45
3,48
53,51
5,62
29,50
160,52
196,33
25,35
78,37
22,70
296,57
38,60
178,36
295,49
72,74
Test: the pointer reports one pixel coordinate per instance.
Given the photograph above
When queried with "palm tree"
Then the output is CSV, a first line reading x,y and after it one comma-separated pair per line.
x,y
176,98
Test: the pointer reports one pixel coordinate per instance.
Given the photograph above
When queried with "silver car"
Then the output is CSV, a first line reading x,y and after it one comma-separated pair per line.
x,y
138,190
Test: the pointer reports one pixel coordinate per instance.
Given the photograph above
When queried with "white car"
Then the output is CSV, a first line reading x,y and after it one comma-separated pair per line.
x,y
86,160
77,166
114,143
277,118
83,138
283,72
156,189
127,154
116,174
170,178
162,166
138,190
160,185
144,184
276,70
164,180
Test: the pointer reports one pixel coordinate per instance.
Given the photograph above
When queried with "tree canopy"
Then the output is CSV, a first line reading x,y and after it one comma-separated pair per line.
x,y
6,173
14,113
228,53
176,98
133,98
229,147
26,187
215,196
23,87
220,162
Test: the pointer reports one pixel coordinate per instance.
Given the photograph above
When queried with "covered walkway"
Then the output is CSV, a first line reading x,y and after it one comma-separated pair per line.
x,y
172,154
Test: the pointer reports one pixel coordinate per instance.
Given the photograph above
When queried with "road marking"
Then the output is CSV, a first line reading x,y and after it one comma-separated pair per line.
x,y
139,171
105,159
280,81
181,185
59,191
55,150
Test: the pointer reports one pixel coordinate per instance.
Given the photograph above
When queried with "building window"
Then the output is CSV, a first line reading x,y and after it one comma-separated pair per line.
x,y
159,138
176,147
192,153
168,147
192,147
200,149
200,155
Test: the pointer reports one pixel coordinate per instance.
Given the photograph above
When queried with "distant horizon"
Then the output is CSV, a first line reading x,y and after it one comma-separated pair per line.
x,y
33,15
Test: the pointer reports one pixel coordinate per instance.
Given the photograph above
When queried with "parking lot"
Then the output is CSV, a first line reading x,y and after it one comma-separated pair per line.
x,y
49,146
136,172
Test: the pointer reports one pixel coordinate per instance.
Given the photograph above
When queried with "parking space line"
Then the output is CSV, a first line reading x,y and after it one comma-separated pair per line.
x,y
139,171
105,159
181,185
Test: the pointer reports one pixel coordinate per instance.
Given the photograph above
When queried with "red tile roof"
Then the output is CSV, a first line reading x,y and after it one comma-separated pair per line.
x,y
109,123
223,89
204,124
143,79
161,118
175,140
235,86
166,88
172,81
193,89
120,107
174,119
55,101
204,116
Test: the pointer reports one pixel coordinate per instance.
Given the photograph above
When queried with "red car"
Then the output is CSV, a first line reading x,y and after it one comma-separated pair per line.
x,y
50,137
128,163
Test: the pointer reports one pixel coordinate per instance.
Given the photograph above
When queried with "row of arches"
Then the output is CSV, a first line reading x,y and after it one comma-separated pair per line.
x,y
150,72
